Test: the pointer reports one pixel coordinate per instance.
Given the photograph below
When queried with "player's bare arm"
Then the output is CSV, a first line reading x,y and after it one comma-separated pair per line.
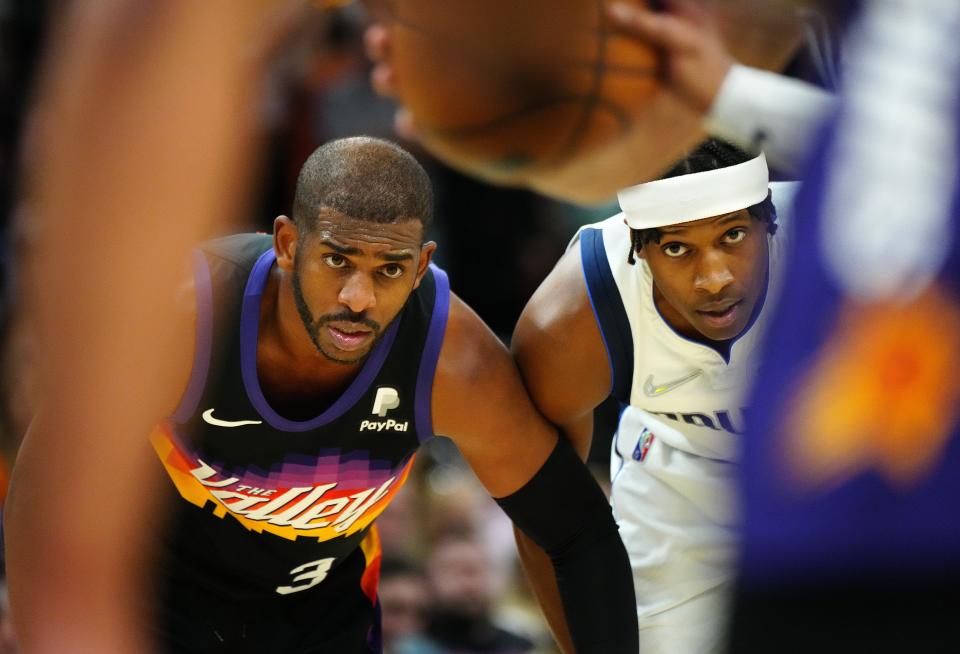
x,y
561,354
38,560
480,401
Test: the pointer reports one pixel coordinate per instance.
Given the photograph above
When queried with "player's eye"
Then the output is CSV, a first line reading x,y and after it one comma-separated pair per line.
x,y
335,260
392,270
735,235
674,249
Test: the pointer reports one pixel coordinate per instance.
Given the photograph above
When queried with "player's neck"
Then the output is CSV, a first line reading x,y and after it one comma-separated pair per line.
x,y
296,380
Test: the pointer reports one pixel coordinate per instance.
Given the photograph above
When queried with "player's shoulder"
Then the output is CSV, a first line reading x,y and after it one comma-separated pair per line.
x,y
604,248
557,342
239,250
468,345
562,302
557,333
610,229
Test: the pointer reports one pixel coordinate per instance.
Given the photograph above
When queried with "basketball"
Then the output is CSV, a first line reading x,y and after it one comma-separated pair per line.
x,y
541,93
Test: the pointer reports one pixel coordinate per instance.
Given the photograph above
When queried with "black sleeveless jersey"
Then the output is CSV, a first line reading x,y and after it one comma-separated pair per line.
x,y
270,546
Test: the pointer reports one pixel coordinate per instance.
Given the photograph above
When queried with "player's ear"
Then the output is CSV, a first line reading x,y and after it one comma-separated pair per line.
x,y
285,237
426,254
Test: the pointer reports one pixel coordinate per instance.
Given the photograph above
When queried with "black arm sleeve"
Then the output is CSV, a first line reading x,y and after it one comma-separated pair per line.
x,y
563,510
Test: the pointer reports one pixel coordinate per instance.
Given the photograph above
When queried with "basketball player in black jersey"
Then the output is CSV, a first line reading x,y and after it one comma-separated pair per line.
x,y
324,356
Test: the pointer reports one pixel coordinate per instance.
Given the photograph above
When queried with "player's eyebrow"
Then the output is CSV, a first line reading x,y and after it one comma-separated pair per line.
x,y
732,218
340,249
723,220
402,255
399,255
671,230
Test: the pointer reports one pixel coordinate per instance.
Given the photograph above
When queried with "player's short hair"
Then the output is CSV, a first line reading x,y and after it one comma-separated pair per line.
x,y
712,154
364,178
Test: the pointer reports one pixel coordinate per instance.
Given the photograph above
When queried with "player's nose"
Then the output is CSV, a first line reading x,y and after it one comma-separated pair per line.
x,y
358,293
712,274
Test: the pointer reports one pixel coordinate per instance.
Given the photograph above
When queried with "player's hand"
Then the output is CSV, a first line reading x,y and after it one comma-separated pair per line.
x,y
696,61
383,77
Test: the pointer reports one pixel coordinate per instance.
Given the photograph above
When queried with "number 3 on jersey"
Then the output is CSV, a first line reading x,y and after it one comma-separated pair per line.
x,y
313,573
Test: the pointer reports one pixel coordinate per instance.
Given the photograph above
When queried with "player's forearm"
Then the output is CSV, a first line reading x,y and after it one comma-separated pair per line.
x,y
564,512
539,571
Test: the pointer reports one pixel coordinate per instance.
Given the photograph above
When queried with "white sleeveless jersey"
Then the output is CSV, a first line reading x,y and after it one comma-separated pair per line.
x,y
673,456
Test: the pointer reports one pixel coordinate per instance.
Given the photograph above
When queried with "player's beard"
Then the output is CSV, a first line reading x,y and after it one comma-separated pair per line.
x,y
313,326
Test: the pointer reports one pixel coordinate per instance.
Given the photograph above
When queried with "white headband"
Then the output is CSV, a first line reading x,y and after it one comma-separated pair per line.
x,y
695,196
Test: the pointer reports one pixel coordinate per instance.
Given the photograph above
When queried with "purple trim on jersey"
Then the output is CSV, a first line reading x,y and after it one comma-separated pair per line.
x,y
862,527
596,317
204,340
609,312
249,329
423,409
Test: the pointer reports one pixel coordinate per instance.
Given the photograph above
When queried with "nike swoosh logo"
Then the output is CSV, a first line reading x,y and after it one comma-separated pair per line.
x,y
650,389
209,419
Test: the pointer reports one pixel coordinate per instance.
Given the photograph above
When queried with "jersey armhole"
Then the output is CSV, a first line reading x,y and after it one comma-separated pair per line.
x,y
204,339
610,314
423,410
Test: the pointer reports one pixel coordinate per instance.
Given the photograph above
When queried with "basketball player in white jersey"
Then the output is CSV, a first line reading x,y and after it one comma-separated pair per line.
x,y
661,307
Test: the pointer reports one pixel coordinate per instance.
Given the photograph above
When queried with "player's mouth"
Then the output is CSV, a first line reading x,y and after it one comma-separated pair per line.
x,y
720,315
349,336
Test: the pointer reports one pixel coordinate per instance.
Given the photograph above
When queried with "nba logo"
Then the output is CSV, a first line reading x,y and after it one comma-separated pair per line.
x,y
643,445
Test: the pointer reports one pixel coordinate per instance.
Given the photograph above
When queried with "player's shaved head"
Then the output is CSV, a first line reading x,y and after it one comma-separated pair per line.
x,y
365,178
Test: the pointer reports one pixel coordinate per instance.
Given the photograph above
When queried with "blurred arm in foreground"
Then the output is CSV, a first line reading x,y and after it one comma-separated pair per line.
x,y
747,106
142,142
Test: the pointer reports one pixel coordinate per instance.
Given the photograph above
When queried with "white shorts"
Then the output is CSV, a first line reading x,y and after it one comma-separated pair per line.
x,y
676,518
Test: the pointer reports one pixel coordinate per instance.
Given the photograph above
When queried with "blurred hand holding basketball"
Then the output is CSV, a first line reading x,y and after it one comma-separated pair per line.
x,y
696,61
553,95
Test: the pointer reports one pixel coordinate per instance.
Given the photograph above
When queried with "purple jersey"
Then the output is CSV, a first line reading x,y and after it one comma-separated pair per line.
x,y
851,464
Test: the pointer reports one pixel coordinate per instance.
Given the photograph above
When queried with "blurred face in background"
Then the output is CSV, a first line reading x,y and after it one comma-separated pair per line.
x,y
461,576
404,604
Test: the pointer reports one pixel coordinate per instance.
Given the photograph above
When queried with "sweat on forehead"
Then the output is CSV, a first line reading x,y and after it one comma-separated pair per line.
x,y
364,178
332,225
